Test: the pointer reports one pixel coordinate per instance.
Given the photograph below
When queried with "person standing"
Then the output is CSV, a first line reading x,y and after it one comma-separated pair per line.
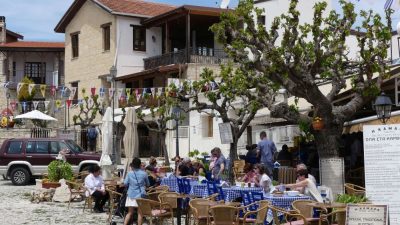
x,y
92,138
138,181
94,184
267,150
220,163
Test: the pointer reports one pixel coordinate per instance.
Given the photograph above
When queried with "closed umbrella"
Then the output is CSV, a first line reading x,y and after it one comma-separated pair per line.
x,y
131,141
107,135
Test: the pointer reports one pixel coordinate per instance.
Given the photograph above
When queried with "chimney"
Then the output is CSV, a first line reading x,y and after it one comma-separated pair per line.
x,y
3,30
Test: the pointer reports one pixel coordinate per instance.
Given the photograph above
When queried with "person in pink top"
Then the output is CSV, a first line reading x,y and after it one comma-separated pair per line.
x,y
250,175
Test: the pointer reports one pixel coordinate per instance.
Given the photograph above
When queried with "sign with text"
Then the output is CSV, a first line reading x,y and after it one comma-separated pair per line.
x,y
66,134
225,132
382,167
331,172
366,214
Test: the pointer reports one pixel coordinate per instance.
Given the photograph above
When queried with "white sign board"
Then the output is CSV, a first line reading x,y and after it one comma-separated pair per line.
x,y
331,172
225,132
66,134
382,167
366,214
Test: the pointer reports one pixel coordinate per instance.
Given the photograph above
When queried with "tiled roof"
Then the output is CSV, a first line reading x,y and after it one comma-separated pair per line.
x,y
33,44
137,7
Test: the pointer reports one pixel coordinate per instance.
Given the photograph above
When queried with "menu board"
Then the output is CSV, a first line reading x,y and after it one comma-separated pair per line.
x,y
225,132
331,172
382,167
366,214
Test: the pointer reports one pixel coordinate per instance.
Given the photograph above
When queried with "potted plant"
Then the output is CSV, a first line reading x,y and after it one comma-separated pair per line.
x,y
346,199
57,170
317,123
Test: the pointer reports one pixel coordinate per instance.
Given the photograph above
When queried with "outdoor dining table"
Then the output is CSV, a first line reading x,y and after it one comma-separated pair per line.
x,y
230,193
285,201
172,183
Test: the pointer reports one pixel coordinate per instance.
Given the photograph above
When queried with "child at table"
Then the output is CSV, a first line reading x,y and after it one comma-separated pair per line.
x,y
250,175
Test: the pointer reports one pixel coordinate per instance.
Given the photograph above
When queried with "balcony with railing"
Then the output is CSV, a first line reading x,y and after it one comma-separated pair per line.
x,y
200,55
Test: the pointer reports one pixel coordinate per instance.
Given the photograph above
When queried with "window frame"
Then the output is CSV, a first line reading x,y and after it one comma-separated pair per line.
x,y
75,44
142,38
14,153
106,29
34,71
75,98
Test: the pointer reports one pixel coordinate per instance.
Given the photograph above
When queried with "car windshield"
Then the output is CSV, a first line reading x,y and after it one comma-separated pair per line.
x,y
74,146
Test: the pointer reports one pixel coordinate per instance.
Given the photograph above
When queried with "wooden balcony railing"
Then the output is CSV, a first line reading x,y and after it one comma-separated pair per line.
x,y
198,55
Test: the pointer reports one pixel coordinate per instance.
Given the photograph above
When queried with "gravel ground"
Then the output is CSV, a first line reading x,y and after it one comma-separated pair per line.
x,y
16,208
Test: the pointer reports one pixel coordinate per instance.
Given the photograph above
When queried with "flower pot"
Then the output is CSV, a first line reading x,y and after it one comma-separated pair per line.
x,y
318,125
49,185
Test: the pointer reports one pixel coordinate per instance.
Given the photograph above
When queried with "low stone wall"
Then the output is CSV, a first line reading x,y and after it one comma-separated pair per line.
x,y
18,133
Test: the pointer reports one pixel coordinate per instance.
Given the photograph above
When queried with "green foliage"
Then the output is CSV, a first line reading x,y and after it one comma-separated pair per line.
x,y
23,94
204,153
87,113
59,169
346,198
194,153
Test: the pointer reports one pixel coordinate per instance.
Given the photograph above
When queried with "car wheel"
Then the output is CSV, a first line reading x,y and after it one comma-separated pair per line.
x,y
20,176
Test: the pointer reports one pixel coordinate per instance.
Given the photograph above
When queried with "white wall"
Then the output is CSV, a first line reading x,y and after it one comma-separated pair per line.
x,y
130,61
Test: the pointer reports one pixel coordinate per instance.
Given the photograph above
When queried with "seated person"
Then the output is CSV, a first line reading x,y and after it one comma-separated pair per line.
x,y
94,184
250,175
198,169
262,179
309,186
299,167
151,170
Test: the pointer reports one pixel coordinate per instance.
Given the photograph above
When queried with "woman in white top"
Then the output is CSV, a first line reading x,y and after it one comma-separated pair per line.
x,y
309,186
262,179
94,184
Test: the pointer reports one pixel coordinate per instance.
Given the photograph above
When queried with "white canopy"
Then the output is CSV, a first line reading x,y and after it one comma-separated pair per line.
x,y
106,133
35,114
131,141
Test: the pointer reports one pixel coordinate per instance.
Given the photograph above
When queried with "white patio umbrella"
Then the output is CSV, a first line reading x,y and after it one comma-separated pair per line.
x,y
35,114
131,142
107,135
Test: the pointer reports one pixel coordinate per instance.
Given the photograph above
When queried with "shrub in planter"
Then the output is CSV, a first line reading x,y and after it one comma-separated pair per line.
x,y
58,170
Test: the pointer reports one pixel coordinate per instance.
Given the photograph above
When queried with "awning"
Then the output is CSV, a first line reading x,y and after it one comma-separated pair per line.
x,y
357,125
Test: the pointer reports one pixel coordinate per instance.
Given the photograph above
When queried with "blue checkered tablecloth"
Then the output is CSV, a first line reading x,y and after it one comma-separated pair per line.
x,y
285,201
230,193
172,183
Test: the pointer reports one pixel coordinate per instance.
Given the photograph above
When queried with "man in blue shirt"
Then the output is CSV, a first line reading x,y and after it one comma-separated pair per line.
x,y
266,149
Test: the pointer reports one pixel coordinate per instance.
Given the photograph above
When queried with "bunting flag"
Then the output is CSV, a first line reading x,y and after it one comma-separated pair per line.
x,y
159,91
19,86
102,92
43,90
68,101
53,90
128,92
46,104
111,93
35,104
58,103
63,91
73,92
90,102
13,105
80,102
30,88
24,106
119,92
153,92
93,90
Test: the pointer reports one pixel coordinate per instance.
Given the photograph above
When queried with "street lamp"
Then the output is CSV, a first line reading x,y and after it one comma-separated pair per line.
x,y
383,107
8,102
113,74
176,113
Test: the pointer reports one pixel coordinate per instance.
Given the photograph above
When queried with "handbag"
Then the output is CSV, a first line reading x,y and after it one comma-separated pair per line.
x,y
140,189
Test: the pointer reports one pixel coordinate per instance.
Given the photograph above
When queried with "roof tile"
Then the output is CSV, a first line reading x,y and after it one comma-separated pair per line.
x,y
33,44
137,7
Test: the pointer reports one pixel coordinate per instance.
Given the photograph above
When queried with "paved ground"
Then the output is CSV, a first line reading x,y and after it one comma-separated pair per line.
x,y
16,208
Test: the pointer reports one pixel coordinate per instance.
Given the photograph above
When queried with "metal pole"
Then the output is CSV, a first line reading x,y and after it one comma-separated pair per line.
x,y
8,98
113,132
177,139
65,115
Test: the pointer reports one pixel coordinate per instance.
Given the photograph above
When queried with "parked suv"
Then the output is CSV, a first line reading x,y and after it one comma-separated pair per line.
x,y
25,158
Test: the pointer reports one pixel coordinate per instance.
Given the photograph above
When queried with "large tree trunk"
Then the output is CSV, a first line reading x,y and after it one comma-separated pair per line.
x,y
327,140
233,156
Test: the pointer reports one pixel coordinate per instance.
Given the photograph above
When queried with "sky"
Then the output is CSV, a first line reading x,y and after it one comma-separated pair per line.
x,y
36,19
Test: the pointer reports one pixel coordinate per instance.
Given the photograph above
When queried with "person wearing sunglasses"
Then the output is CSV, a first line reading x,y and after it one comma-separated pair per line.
x,y
309,186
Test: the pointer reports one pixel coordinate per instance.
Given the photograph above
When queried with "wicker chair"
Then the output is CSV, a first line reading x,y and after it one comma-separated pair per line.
x,y
114,200
199,211
353,189
157,188
287,175
302,207
171,199
224,215
77,190
154,195
291,217
154,210
238,168
260,213
338,216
